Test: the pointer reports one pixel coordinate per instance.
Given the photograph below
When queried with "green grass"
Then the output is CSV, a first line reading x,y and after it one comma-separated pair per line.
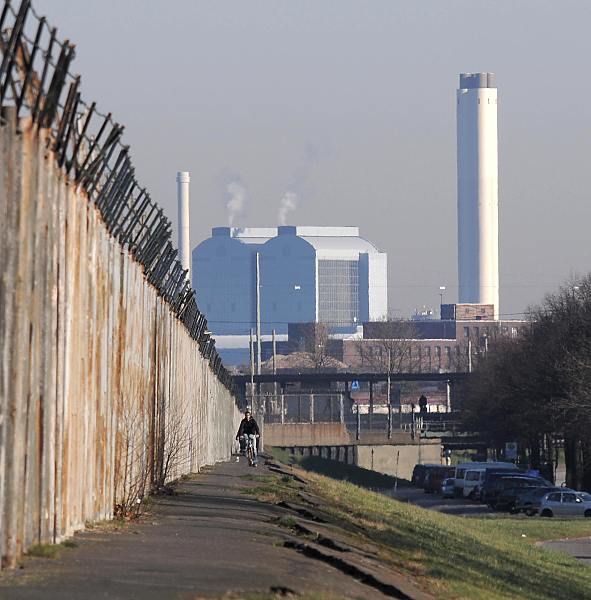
x,y
273,488
484,558
288,521
337,470
50,550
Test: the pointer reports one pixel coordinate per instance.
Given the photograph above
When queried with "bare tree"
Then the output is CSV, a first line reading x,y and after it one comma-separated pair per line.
x,y
175,446
132,462
395,348
315,343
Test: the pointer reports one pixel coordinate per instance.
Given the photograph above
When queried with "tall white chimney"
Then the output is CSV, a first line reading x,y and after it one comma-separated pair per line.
x,y
183,179
478,195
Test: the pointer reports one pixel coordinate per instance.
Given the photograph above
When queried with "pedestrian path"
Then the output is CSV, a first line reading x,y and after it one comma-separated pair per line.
x,y
209,540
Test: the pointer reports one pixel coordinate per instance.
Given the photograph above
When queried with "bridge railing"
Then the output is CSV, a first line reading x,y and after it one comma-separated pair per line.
x,y
36,82
301,408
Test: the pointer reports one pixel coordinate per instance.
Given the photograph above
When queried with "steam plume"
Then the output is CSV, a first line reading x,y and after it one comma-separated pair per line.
x,y
236,199
289,202
298,184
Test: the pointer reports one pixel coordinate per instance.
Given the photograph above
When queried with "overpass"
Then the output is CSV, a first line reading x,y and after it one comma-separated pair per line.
x,y
319,378
347,377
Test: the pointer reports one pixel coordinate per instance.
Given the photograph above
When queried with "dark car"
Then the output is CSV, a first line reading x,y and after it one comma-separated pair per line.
x,y
508,499
419,472
490,474
529,499
494,487
434,476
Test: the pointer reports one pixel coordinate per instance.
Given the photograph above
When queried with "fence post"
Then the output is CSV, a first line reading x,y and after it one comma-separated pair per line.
x,y
389,421
370,415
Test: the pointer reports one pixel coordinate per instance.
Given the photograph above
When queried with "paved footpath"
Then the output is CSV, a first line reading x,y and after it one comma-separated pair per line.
x,y
209,541
578,548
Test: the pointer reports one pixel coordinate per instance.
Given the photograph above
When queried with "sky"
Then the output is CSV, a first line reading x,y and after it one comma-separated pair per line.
x,y
350,107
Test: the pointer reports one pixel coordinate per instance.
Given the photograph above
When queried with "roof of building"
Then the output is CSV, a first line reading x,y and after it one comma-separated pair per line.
x,y
326,245
327,241
246,235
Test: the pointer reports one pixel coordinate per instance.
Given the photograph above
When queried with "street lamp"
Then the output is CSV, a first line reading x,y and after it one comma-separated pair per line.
x,y
441,290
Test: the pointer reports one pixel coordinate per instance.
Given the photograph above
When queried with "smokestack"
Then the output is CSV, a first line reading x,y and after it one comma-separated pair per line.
x,y
478,196
183,179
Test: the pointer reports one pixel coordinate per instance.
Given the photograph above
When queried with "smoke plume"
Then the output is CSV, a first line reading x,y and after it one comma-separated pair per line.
x,y
298,184
289,202
236,199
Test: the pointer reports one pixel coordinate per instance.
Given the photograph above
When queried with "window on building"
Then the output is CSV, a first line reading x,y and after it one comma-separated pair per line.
x,y
476,332
514,331
338,291
448,356
466,332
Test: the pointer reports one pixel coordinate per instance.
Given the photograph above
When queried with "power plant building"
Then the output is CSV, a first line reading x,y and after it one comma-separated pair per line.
x,y
478,199
325,275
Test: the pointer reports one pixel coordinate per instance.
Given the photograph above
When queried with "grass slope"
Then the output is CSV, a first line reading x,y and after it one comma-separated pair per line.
x,y
458,557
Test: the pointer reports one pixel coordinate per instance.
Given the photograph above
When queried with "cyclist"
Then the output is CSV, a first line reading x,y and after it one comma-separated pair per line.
x,y
248,428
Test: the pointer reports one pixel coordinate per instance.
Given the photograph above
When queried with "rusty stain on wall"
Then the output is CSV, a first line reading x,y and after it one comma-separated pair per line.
x,y
103,394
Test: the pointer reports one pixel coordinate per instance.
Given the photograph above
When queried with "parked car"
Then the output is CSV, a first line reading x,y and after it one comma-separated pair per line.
x,y
419,472
474,479
447,488
496,486
566,504
463,468
528,499
508,499
434,476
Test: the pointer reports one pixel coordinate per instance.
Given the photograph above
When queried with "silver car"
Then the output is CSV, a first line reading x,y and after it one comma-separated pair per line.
x,y
447,487
566,504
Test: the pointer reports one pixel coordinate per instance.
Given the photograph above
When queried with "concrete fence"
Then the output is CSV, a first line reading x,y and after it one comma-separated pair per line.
x,y
110,385
103,394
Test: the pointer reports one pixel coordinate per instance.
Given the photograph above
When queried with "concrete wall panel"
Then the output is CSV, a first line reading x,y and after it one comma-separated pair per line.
x,y
103,393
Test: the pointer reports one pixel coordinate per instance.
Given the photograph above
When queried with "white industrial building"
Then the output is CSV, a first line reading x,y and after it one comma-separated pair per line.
x,y
478,197
307,274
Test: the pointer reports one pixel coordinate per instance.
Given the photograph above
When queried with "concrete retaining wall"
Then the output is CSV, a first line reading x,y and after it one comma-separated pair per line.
x,y
306,434
103,393
383,458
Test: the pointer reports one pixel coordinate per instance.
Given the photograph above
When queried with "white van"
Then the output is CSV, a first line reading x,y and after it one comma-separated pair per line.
x,y
477,475
473,479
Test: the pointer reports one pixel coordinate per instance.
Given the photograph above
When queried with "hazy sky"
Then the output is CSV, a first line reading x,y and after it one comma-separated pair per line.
x,y
352,106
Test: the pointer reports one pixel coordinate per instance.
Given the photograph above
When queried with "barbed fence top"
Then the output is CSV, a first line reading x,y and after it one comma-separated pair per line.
x,y
36,82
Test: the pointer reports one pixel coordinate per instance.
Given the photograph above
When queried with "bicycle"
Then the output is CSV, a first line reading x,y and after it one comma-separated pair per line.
x,y
250,451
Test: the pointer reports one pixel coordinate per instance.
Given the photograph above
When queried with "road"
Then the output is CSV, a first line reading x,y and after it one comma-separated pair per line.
x,y
579,548
450,506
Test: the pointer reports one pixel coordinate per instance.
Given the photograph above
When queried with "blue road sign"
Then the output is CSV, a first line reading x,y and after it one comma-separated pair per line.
x,y
354,385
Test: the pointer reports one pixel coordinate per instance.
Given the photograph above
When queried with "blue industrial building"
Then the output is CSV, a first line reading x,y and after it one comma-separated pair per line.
x,y
307,274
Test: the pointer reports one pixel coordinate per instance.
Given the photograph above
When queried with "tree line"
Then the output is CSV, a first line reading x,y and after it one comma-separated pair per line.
x,y
536,389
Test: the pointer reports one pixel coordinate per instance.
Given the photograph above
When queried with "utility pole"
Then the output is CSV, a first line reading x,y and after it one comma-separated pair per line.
x,y
258,297
469,356
274,352
388,396
274,366
251,346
